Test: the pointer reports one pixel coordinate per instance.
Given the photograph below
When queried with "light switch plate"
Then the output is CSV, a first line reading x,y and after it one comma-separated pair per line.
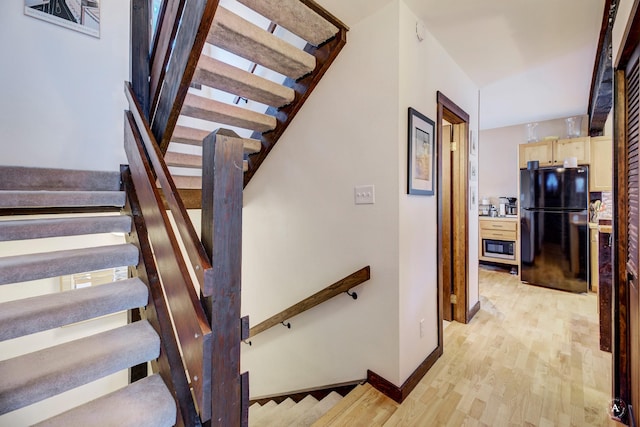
x,y
365,194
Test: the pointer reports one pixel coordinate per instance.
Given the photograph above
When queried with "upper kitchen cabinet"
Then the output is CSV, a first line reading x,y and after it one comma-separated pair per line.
x,y
553,152
540,151
601,170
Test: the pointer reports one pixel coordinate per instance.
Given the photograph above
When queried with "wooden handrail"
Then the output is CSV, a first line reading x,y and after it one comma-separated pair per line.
x,y
140,18
190,321
157,311
197,255
327,293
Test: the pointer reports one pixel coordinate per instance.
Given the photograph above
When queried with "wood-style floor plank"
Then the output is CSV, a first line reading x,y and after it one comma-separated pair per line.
x,y
530,357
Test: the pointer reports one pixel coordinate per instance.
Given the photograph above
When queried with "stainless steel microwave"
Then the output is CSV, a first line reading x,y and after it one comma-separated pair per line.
x,y
503,249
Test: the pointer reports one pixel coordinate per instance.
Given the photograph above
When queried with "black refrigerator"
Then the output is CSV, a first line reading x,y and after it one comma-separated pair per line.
x,y
554,227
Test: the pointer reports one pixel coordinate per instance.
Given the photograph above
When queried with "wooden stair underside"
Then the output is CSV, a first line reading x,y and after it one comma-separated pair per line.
x,y
236,35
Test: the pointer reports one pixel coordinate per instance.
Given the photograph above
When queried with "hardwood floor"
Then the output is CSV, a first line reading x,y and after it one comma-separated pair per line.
x,y
530,357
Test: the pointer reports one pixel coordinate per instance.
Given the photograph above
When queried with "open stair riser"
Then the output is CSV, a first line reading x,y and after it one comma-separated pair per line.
x,y
33,376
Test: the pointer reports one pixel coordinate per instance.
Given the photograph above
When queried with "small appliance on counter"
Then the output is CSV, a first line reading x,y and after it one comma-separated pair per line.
x,y
502,210
512,206
484,207
508,206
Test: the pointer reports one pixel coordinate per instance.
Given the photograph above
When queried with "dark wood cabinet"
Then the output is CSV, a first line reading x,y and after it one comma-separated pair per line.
x,y
605,284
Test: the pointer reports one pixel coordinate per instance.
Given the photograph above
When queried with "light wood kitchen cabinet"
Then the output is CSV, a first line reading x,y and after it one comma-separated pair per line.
x,y
580,148
553,152
540,151
503,229
601,170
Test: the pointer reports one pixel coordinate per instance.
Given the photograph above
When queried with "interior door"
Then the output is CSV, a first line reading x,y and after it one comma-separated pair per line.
x,y
626,297
447,223
453,219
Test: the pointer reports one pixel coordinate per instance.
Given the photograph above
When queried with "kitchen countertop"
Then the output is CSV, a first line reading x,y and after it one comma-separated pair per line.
x,y
498,218
603,228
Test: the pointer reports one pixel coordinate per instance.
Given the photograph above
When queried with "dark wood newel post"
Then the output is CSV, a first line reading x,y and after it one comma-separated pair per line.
x,y
222,183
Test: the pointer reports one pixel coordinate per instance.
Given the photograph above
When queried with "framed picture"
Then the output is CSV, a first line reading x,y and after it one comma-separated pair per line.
x,y
422,154
79,15
473,170
473,144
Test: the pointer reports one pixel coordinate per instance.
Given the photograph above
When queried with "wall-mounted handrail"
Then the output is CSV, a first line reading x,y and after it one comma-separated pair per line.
x,y
190,321
197,255
342,285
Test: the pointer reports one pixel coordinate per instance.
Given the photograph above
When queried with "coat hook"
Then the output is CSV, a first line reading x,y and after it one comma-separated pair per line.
x,y
352,294
288,324
247,342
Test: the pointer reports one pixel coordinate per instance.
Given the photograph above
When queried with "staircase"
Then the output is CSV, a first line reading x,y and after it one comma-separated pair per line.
x,y
289,413
362,406
287,44
287,58
35,376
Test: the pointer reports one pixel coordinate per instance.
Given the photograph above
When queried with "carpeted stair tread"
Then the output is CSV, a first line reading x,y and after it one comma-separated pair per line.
x,y
60,199
183,160
55,227
226,114
296,17
35,376
317,411
220,75
145,403
185,182
346,402
193,136
25,178
22,268
35,314
237,35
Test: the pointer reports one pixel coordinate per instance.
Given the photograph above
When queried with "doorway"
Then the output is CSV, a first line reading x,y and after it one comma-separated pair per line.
x,y
453,240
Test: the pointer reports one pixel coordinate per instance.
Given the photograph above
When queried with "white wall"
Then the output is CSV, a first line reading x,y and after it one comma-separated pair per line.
x,y
63,91
302,230
425,68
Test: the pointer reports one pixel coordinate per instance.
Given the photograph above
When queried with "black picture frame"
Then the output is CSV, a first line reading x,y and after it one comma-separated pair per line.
x,y
421,178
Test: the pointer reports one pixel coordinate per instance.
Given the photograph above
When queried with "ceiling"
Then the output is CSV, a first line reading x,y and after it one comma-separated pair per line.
x,y
531,59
